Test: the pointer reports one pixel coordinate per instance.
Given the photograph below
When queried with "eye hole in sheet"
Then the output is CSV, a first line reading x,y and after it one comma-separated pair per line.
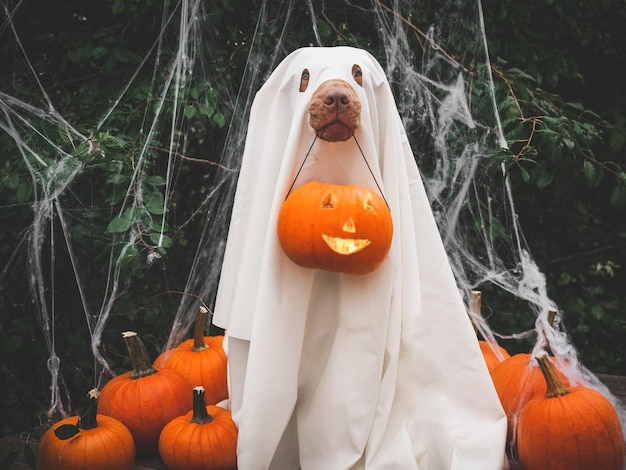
x,y
304,80
357,74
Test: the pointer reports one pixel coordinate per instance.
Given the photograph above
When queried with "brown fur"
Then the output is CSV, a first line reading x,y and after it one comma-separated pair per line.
x,y
334,111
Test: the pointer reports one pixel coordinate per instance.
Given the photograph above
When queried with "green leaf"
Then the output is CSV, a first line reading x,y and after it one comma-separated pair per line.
x,y
618,197
564,279
598,312
156,224
577,106
569,143
590,173
11,180
112,141
118,225
66,431
194,92
213,95
24,192
520,74
324,28
551,134
525,174
154,180
219,120
190,112
118,6
99,52
154,202
207,111
166,241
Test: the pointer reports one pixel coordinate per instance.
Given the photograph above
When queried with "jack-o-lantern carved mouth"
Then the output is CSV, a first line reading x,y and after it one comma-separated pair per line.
x,y
346,246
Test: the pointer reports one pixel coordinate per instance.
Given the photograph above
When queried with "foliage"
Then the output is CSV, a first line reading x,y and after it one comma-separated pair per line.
x,y
552,62
563,116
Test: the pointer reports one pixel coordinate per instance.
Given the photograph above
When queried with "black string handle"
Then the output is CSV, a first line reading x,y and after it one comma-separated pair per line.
x,y
364,159
371,172
300,169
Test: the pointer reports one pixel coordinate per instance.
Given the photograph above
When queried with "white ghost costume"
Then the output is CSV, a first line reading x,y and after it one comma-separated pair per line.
x,y
331,371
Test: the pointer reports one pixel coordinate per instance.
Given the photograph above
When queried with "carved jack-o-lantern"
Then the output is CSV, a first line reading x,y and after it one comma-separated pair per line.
x,y
342,228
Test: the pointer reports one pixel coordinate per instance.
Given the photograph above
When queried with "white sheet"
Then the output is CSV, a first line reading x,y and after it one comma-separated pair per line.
x,y
334,371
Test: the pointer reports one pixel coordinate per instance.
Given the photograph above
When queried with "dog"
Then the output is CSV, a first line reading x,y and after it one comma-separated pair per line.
x,y
332,370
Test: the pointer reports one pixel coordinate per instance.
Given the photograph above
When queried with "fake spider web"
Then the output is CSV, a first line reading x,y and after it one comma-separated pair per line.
x,y
441,78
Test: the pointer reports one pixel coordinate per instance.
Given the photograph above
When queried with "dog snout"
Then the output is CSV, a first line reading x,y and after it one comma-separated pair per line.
x,y
334,110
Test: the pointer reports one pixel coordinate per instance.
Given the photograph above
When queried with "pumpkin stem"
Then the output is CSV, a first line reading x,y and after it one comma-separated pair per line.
x,y
139,357
475,307
551,317
88,419
198,332
555,387
200,414
85,421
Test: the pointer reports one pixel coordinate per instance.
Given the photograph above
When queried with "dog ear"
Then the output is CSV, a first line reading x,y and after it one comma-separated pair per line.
x,y
304,80
357,74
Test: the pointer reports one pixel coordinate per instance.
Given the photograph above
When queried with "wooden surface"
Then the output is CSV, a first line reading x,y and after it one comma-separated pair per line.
x,y
18,452
616,384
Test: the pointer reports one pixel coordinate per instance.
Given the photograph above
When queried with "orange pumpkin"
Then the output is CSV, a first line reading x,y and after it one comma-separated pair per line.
x,y
517,380
92,441
145,399
569,429
203,439
494,354
202,360
342,228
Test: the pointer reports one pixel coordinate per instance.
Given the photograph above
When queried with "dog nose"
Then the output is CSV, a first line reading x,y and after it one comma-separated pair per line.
x,y
336,98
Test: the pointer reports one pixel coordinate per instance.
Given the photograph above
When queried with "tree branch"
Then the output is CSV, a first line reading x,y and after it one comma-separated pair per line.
x,y
584,254
190,159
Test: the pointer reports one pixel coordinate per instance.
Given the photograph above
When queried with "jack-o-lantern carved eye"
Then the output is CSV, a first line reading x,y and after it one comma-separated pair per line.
x,y
357,74
304,80
368,206
342,228
329,202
